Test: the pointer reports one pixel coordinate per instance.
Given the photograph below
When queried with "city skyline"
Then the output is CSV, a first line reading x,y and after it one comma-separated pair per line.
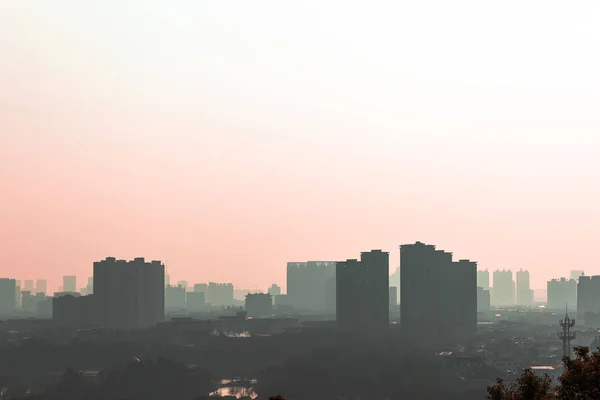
x,y
189,133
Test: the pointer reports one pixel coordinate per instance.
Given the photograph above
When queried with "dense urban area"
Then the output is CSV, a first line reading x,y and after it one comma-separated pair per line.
x,y
437,328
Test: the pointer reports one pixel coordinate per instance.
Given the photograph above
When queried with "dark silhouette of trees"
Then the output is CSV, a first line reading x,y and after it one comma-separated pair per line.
x,y
580,381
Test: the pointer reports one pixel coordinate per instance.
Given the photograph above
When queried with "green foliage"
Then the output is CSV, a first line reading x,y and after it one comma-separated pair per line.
x,y
580,381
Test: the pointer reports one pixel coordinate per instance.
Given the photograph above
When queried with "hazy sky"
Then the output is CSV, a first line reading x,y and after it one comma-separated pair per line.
x,y
229,137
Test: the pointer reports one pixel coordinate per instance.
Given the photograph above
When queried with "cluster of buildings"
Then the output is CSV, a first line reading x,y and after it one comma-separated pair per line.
x,y
433,295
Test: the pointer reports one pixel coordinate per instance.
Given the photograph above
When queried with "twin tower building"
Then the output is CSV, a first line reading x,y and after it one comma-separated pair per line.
x,y
438,295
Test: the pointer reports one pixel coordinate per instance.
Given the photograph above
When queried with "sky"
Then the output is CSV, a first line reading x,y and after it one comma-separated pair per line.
x,y
228,138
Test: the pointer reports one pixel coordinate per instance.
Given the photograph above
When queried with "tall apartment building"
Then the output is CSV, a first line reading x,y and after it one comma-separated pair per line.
x,y
129,294
561,293
524,291
220,294
41,286
588,298
311,286
69,284
8,296
362,304
503,290
483,279
438,295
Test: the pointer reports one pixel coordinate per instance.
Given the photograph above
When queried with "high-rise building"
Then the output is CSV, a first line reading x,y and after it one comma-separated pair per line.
x,y
220,294
69,284
175,298
311,286
201,287
259,305
362,304
575,274
483,299
483,279
41,286
561,293
274,290
195,301
588,298
393,297
503,291
8,296
27,286
183,284
395,282
438,295
129,294
524,292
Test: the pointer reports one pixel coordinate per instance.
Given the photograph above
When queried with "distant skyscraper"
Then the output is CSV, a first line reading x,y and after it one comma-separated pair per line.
x,y
8,296
561,293
393,297
311,286
274,290
220,294
201,287
483,279
575,274
503,292
28,286
438,295
395,280
588,298
129,294
483,300
363,293
69,284
183,284
175,298
259,305
524,292
195,301
41,286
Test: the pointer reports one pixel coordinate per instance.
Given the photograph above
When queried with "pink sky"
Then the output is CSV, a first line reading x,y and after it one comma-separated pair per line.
x,y
227,140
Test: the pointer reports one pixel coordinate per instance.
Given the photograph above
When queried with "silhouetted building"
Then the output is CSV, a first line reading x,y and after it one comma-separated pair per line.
x,y
588,297
259,305
483,299
503,292
8,296
311,286
74,312
395,282
129,294
196,301
69,284
575,274
183,284
524,292
220,294
90,286
438,296
393,297
41,286
561,293
274,290
483,279
27,286
362,304
175,298
201,287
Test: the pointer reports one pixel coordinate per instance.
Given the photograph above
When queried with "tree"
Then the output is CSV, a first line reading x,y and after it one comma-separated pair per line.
x,y
581,380
528,387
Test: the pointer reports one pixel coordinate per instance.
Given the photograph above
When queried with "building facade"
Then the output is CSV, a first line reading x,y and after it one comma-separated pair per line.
x,y
69,284
561,293
483,279
503,291
259,305
129,294
8,296
438,295
524,292
362,290
588,298
311,286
